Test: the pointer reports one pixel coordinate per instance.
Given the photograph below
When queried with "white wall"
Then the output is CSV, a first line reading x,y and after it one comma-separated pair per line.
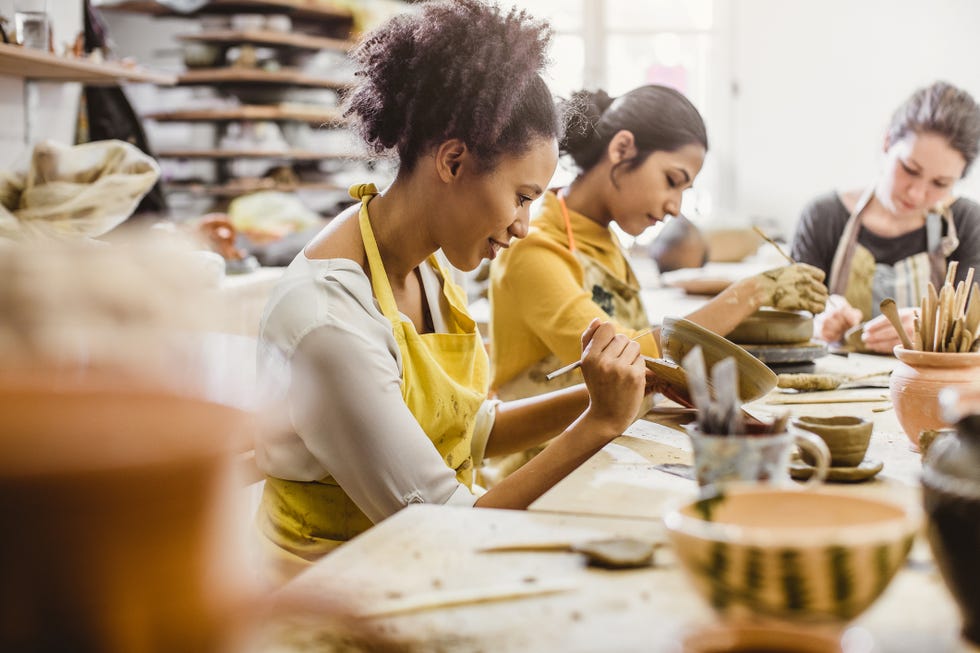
x,y
58,103
815,84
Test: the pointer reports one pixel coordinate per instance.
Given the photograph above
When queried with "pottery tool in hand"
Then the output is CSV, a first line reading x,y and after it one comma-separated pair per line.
x,y
614,553
949,320
772,242
577,364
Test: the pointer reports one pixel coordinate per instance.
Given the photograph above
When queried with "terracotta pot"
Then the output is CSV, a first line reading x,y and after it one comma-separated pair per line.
x,y
116,499
951,495
916,382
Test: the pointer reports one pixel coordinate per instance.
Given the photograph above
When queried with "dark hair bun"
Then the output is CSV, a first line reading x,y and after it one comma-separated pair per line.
x,y
582,113
453,69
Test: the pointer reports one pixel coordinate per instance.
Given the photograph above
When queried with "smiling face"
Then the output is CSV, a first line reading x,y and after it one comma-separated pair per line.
x,y
490,207
920,170
651,192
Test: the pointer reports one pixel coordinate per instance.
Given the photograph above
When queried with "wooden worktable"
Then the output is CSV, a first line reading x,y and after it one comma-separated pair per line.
x,y
425,550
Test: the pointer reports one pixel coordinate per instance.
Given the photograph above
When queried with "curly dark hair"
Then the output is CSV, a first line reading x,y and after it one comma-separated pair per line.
x,y
943,109
660,119
454,69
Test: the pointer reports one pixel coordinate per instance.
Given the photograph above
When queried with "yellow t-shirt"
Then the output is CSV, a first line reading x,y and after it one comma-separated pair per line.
x,y
537,301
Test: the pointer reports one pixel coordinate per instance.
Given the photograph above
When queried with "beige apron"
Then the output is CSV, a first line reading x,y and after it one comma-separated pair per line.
x,y
619,299
864,282
445,380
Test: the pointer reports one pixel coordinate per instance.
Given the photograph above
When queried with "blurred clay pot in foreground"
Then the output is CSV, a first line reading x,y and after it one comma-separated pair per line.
x,y
951,495
113,499
917,380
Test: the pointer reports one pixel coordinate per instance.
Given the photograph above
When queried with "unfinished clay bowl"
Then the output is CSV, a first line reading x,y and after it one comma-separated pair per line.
x,y
679,336
769,326
791,555
916,381
847,437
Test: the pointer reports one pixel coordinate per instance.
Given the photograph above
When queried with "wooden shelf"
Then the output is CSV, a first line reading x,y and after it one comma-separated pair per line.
x,y
291,155
308,9
250,112
233,189
29,63
271,38
230,75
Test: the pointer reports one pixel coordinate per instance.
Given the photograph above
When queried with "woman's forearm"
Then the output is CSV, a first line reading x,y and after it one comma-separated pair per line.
x,y
525,423
730,307
574,446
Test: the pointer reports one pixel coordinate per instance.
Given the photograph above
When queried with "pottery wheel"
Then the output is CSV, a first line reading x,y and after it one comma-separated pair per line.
x,y
803,352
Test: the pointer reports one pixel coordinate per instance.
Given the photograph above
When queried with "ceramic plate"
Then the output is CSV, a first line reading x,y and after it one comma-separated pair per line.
x,y
868,469
701,286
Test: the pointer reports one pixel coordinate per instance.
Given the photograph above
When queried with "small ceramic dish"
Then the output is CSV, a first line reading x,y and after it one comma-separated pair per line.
x,y
865,471
708,287
769,326
679,336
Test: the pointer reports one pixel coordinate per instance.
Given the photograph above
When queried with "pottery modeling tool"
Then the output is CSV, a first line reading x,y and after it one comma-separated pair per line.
x,y
949,320
614,553
772,242
577,364
890,310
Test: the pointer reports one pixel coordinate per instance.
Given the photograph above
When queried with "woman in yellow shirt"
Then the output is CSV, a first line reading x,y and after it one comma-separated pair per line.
x,y
636,155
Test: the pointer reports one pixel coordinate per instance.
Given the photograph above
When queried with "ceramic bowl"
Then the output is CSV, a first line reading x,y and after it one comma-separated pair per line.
x,y
916,382
846,436
791,555
679,336
769,326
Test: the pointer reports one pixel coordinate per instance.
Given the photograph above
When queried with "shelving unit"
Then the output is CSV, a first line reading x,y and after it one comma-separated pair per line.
x,y
303,9
316,26
31,64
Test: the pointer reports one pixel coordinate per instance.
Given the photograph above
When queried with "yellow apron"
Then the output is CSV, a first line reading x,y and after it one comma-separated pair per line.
x,y
864,282
618,298
445,379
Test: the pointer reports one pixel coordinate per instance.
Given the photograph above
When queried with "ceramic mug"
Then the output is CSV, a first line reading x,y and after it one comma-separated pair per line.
x,y
763,458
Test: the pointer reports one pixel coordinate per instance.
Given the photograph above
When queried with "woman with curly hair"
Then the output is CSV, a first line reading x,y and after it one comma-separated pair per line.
x,y
636,155
379,367
894,237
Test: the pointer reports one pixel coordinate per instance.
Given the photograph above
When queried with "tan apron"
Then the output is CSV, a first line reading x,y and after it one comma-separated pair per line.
x,y
619,299
864,282
445,380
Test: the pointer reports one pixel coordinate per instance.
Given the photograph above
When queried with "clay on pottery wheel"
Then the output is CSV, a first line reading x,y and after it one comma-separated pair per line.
x,y
769,326
951,495
916,382
679,336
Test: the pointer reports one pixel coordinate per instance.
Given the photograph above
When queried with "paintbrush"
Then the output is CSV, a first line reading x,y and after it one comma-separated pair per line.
x,y
577,364
774,244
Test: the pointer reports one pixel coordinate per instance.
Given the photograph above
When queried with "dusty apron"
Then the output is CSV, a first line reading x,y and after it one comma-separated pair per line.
x,y
618,298
444,381
864,282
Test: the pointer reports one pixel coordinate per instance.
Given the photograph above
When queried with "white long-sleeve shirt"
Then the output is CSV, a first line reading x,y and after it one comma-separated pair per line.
x,y
329,361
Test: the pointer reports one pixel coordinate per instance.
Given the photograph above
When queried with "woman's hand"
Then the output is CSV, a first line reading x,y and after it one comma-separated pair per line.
x,y
793,288
833,323
615,374
879,335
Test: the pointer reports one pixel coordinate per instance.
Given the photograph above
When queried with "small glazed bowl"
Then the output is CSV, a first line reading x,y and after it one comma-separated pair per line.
x,y
769,326
847,437
679,336
816,556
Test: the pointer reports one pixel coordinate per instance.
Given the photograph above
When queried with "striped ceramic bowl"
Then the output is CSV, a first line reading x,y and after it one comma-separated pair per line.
x,y
819,555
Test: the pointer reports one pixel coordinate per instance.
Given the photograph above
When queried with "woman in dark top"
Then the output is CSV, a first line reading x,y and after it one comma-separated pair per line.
x,y
892,239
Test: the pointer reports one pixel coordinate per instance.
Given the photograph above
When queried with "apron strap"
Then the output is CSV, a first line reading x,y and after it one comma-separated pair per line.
x,y
840,269
568,222
379,279
939,246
